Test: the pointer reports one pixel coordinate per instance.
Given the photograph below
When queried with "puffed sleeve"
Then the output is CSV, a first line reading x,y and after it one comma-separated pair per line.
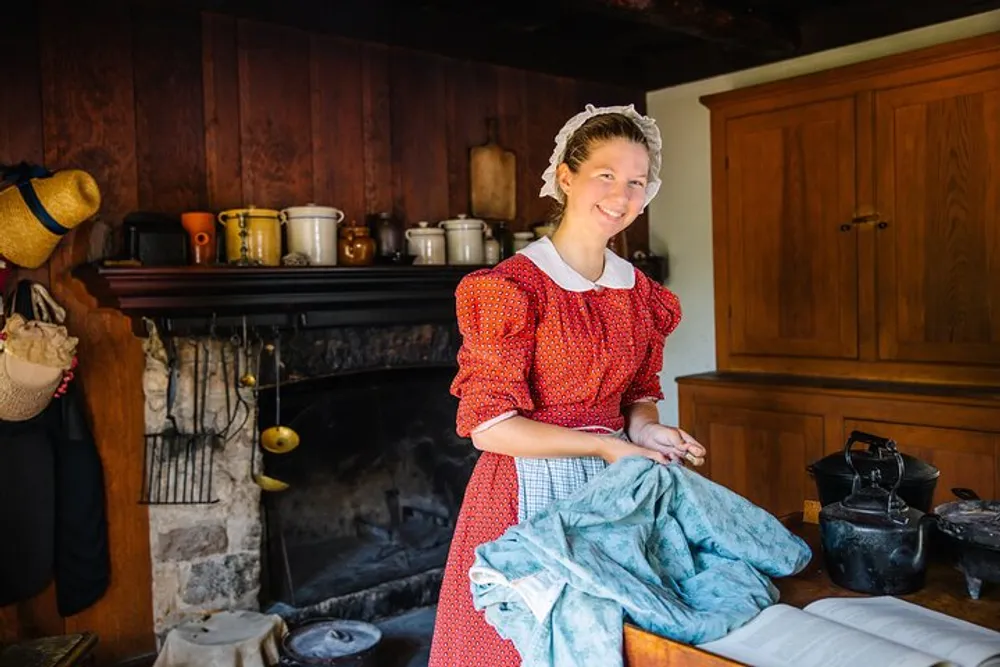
x,y
665,314
496,318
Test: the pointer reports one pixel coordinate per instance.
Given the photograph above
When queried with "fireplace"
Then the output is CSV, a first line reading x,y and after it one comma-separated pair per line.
x,y
374,487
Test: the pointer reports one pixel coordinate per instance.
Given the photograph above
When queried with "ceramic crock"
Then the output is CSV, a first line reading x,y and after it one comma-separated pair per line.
x,y
253,236
311,230
427,244
464,240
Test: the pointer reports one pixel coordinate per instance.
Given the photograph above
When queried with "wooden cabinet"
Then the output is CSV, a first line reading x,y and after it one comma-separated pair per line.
x,y
792,274
765,452
937,151
857,220
762,431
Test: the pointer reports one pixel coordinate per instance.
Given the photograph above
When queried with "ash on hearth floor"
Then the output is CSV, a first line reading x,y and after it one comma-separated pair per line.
x,y
406,639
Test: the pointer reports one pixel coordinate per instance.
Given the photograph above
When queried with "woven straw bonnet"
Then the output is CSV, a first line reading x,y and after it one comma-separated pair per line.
x,y
29,235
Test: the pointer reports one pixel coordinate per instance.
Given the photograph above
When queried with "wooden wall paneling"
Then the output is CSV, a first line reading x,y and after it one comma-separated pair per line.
x,y
89,99
221,95
338,134
471,99
512,112
275,109
89,123
21,121
557,102
21,112
419,116
169,110
376,99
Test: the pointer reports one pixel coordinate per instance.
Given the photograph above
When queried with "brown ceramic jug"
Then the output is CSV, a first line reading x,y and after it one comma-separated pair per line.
x,y
355,247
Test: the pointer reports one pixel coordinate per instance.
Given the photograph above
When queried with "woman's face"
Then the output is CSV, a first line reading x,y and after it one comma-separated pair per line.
x,y
607,193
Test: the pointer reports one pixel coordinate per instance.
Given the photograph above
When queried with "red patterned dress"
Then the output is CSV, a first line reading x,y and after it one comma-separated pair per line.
x,y
539,340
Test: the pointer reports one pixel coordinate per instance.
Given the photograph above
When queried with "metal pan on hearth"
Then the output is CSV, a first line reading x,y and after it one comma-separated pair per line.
x,y
973,526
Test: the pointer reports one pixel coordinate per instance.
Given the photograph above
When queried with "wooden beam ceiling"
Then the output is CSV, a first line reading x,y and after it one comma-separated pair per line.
x,y
644,44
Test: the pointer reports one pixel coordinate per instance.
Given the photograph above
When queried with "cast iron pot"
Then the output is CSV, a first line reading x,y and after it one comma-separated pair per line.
x,y
973,528
834,474
872,541
332,642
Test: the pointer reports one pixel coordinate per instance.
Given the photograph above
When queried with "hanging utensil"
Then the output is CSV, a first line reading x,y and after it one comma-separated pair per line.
x,y
278,439
260,479
247,378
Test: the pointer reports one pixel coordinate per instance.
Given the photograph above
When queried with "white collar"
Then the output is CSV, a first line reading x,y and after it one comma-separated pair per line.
x,y
618,273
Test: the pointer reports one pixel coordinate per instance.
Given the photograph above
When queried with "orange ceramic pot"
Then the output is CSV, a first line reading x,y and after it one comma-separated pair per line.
x,y
202,239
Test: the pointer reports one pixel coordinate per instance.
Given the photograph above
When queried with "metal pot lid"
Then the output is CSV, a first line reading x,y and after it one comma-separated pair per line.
x,y
914,470
327,639
975,521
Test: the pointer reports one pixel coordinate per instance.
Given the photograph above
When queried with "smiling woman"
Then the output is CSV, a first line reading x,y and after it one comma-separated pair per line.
x,y
562,345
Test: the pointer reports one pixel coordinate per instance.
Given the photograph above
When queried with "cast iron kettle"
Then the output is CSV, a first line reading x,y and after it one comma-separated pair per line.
x,y
872,541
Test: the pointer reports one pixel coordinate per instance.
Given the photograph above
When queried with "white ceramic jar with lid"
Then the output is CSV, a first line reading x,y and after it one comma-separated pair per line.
x,y
311,230
522,239
465,240
426,243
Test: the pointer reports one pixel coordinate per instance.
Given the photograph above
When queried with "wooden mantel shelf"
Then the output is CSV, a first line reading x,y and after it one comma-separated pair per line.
x,y
187,298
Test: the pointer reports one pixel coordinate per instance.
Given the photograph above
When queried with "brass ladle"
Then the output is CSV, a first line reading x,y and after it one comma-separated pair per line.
x,y
247,378
278,439
260,479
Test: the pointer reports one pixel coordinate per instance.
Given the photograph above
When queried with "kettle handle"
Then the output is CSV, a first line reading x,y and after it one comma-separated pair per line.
x,y
876,445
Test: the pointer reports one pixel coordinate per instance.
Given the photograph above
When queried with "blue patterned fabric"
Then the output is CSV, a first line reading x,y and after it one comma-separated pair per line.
x,y
658,545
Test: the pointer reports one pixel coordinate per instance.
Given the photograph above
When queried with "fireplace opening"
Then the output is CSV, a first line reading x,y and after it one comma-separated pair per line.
x,y
364,527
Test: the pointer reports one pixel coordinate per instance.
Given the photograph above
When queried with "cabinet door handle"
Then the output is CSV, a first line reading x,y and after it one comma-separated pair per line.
x,y
863,220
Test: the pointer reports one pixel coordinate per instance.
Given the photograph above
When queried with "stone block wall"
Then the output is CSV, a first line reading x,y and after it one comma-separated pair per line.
x,y
206,557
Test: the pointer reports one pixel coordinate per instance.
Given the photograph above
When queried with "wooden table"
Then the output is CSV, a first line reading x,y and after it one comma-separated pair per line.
x,y
945,592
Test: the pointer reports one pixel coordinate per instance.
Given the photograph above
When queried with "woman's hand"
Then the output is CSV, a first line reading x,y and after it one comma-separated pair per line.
x,y
672,443
613,448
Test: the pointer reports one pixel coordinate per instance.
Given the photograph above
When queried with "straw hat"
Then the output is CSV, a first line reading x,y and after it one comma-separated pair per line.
x,y
38,208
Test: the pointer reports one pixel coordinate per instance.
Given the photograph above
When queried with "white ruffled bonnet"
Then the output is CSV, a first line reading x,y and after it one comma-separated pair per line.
x,y
645,123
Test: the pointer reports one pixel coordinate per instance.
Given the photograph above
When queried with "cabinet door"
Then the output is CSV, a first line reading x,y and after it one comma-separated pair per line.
x,y
761,455
965,458
792,272
938,191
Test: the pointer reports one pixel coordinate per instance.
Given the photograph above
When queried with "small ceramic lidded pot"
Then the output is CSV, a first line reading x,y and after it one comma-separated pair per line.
x,y
427,244
522,239
311,230
465,240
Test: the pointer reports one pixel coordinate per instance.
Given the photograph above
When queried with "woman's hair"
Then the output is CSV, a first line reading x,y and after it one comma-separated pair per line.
x,y
596,130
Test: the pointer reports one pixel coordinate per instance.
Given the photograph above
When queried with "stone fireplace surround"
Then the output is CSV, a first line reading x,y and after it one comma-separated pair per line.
x,y
209,557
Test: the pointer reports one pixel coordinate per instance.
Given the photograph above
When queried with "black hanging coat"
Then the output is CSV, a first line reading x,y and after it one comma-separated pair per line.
x,y
53,521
